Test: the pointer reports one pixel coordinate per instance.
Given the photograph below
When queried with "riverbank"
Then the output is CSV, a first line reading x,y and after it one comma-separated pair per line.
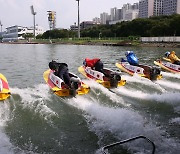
x,y
99,42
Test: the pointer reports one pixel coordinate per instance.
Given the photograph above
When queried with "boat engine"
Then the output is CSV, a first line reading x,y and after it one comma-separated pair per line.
x,y
154,72
74,85
114,79
75,82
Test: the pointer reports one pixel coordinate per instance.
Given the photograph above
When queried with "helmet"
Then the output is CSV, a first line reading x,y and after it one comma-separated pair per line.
x,y
167,53
127,53
52,65
173,52
84,62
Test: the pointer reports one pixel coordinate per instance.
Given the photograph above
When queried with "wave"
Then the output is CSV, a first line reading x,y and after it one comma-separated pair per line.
x,y
167,74
112,96
169,84
35,98
6,146
168,97
123,123
137,79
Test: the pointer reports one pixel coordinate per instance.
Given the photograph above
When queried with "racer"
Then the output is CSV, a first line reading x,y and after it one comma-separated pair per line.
x,y
173,57
61,70
131,58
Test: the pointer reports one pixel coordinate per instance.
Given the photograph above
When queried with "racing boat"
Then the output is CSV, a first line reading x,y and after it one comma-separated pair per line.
x,y
113,79
4,88
59,87
149,72
167,65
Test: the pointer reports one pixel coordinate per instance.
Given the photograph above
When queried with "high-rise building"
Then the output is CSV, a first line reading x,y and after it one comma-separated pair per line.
x,y
119,14
104,17
171,7
149,8
125,8
113,14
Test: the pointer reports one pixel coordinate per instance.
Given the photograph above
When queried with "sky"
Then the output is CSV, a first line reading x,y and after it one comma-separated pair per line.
x,y
18,12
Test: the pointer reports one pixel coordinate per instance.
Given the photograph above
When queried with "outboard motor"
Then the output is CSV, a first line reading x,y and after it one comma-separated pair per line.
x,y
115,78
154,72
74,85
75,82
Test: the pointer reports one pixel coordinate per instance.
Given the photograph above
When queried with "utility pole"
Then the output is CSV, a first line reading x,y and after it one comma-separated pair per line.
x,y
34,13
78,20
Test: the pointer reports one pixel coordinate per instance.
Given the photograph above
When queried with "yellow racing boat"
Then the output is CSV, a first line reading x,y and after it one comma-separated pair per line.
x,y
151,73
112,81
4,88
168,66
58,86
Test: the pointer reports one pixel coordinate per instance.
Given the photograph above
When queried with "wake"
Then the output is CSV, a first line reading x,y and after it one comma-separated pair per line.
x,y
169,84
167,74
122,123
35,99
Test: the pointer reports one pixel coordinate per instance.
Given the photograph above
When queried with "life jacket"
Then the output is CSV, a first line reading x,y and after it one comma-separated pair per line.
x,y
173,57
91,62
132,59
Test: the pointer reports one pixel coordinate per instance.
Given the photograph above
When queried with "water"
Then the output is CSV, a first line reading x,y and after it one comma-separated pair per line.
x,y
34,120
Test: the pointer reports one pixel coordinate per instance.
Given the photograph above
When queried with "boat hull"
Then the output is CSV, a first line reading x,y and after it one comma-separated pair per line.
x,y
140,70
82,89
168,66
4,88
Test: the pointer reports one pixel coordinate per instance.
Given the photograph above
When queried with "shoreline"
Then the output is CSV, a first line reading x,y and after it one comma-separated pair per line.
x,y
102,43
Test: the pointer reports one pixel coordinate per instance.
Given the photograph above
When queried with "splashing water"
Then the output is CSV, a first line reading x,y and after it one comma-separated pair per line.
x,y
34,99
123,123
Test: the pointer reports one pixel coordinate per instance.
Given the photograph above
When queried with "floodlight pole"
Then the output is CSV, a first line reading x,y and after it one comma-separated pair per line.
x,y
34,25
33,13
78,20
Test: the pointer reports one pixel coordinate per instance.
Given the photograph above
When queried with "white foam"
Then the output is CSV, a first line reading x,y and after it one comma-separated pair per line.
x,y
123,123
168,97
175,120
170,84
137,79
35,98
107,92
167,74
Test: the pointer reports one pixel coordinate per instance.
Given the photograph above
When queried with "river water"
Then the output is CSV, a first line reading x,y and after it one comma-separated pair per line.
x,y
34,120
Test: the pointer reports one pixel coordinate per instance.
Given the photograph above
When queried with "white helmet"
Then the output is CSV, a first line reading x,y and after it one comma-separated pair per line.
x,y
127,53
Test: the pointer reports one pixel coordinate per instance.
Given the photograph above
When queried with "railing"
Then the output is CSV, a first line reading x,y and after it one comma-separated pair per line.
x,y
128,140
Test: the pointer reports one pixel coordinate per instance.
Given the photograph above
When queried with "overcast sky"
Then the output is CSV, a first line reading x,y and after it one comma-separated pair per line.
x,y
17,12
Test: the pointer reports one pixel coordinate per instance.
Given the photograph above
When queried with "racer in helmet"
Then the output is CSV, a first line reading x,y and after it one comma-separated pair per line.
x,y
95,64
60,70
172,56
131,58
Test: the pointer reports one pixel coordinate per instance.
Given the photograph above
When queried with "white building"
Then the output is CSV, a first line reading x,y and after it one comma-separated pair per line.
x,y
15,33
104,18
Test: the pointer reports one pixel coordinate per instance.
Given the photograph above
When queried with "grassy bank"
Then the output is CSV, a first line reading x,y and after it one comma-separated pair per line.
x,y
126,41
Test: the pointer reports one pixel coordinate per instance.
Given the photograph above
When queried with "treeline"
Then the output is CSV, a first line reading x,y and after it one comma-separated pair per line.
x,y
153,26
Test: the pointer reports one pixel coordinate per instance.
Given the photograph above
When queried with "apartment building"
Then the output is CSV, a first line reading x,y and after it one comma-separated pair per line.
x,y
171,7
149,8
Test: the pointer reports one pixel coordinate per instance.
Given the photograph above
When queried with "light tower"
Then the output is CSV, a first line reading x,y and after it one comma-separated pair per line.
x,y
1,26
52,19
78,20
34,13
